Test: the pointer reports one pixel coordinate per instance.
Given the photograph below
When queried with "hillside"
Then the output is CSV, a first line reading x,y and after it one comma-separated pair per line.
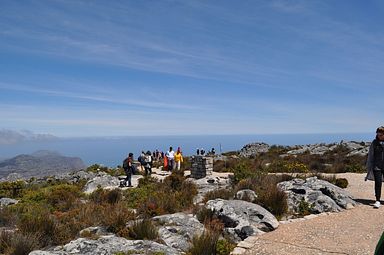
x,y
38,164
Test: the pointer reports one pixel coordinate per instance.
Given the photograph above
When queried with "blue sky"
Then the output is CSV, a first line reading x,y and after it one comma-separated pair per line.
x,y
111,68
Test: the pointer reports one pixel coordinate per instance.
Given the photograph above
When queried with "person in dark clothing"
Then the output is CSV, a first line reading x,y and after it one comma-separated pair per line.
x,y
128,169
375,163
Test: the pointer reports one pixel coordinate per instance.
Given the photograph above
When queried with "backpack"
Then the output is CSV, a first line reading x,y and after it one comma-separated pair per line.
x,y
126,164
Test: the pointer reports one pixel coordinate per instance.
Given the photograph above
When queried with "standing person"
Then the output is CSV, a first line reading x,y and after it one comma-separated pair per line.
x,y
375,163
141,160
178,158
148,163
170,158
128,169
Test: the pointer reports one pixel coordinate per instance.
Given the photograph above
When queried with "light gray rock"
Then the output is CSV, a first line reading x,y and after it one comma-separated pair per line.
x,y
94,231
12,177
246,195
241,218
254,149
102,180
353,148
5,201
209,183
108,245
320,195
177,230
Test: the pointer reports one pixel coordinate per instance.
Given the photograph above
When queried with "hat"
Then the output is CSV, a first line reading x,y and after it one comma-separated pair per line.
x,y
380,129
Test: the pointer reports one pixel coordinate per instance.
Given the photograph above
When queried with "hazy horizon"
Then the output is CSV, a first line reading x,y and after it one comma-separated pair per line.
x,y
110,151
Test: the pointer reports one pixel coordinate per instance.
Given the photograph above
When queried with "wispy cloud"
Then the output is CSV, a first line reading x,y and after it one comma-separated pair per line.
x,y
115,99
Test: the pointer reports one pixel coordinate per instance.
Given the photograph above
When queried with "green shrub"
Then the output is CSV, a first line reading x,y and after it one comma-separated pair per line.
x,y
219,193
37,220
204,244
101,196
115,217
173,197
274,200
304,208
224,247
8,217
243,170
174,181
143,230
12,189
355,168
63,197
203,214
341,182
296,167
17,243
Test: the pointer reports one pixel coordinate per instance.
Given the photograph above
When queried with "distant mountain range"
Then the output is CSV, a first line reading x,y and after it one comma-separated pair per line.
x,y
39,164
12,137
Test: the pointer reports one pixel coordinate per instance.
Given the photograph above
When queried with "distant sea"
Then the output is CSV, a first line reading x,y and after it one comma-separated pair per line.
x,y
110,151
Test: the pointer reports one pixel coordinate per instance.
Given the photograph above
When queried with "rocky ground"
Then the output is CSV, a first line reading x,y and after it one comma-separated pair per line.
x,y
353,232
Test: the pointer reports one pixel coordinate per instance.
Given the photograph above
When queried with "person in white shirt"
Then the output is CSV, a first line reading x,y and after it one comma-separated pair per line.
x,y
171,158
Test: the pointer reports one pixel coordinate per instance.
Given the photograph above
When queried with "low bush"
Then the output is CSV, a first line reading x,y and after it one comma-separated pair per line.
x,y
8,217
12,189
219,193
115,217
101,196
204,244
203,214
341,182
176,195
17,243
304,208
224,247
35,219
143,230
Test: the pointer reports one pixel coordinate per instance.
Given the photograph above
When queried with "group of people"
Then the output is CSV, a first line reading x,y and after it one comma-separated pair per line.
x,y
172,161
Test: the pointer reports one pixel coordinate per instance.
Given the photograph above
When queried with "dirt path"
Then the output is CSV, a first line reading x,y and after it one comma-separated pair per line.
x,y
353,232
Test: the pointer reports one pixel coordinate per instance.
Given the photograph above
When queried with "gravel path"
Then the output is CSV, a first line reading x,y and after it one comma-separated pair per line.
x,y
353,232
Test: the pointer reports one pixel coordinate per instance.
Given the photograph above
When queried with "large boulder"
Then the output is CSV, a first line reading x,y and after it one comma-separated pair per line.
x,y
177,230
241,218
254,149
108,245
102,180
319,195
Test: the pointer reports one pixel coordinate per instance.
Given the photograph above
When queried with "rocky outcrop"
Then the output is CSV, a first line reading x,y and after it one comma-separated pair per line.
x,y
353,148
241,218
246,195
109,245
177,230
254,149
102,180
319,196
5,201
210,183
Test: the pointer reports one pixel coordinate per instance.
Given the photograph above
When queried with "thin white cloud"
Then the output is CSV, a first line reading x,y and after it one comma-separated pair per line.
x,y
100,98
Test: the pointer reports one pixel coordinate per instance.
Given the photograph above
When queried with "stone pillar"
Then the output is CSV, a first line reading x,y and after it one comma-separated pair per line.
x,y
201,166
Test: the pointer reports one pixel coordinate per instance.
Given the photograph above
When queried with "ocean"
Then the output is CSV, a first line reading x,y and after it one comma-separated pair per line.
x,y
110,151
